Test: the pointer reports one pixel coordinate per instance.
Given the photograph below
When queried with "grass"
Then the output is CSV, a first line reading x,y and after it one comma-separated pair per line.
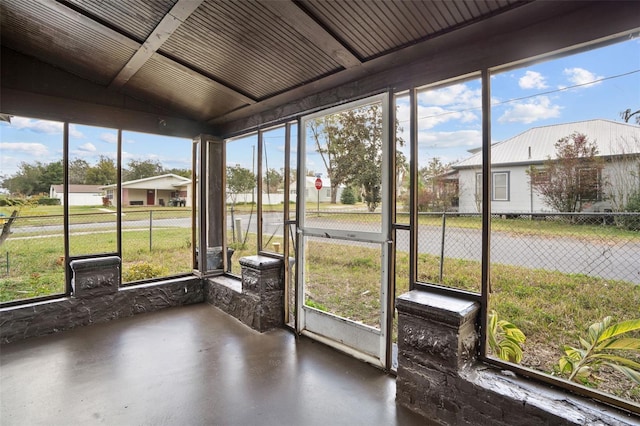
x,y
551,308
37,264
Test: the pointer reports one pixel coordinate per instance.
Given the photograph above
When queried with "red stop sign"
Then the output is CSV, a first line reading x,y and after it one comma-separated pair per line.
x,y
318,184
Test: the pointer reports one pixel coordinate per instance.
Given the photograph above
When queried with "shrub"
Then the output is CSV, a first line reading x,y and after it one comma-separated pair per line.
x,y
142,271
348,196
11,201
46,201
632,223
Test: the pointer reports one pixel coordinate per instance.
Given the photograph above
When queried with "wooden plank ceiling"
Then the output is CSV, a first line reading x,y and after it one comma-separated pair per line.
x,y
206,59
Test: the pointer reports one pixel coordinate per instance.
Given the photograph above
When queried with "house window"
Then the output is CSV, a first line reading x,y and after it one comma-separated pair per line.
x,y
500,184
478,186
589,184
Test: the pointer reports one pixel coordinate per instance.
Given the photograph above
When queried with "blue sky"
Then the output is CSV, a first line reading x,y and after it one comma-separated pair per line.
x,y
596,84
29,140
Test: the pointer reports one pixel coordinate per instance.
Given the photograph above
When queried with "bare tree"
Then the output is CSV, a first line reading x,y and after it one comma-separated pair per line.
x,y
571,179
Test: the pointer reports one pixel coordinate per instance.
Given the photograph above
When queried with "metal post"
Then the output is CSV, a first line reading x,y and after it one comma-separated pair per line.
x,y
238,223
318,203
150,228
233,229
444,225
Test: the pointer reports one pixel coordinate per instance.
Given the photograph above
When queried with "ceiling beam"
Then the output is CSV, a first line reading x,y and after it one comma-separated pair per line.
x,y
171,21
290,14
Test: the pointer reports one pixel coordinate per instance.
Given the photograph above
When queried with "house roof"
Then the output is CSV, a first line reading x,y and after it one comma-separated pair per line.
x,y
79,189
180,181
536,145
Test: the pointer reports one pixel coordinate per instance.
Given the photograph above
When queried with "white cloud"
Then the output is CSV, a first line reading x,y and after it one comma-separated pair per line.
x,y
444,140
87,147
581,77
539,108
32,148
109,138
456,94
38,126
74,132
532,80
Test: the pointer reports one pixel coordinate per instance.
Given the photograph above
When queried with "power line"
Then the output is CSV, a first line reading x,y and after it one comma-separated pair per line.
x,y
562,89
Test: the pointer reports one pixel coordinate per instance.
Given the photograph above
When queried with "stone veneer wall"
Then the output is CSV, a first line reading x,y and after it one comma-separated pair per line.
x,y
440,378
257,299
96,298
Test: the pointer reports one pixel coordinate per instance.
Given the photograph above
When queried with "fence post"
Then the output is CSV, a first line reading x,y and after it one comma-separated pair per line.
x,y
239,229
233,229
150,229
444,225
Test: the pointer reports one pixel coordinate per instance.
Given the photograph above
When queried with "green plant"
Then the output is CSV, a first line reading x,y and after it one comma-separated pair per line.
x,y
602,345
348,196
143,270
317,305
505,339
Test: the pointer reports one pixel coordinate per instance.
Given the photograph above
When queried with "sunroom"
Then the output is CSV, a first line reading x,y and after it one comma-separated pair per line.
x,y
317,257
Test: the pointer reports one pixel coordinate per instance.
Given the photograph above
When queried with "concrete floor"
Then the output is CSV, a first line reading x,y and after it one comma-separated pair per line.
x,y
189,366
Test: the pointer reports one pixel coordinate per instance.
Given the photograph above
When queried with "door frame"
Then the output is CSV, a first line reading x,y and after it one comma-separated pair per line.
x,y
361,341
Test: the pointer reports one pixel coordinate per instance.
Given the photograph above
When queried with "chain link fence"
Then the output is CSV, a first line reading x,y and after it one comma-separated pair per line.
x,y
32,256
598,245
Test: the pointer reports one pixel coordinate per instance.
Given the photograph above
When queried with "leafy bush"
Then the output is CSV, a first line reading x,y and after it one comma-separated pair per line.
x,y
142,271
505,339
46,201
631,223
633,204
604,344
348,196
6,201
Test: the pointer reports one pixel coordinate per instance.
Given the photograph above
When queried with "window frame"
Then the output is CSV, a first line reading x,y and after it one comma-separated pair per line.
x,y
507,186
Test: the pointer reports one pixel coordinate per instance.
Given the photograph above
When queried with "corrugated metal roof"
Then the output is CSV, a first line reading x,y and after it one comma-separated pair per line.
x,y
164,82
538,144
373,27
244,46
56,35
208,59
136,18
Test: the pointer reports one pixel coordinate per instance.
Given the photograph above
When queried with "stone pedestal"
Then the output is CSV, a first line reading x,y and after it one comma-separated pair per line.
x,y
436,340
257,299
262,279
95,277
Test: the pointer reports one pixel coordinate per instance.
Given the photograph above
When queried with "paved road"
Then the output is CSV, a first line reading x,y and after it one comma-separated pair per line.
x,y
570,255
598,258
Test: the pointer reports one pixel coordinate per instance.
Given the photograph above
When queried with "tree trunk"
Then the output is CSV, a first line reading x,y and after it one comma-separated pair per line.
x,y
6,228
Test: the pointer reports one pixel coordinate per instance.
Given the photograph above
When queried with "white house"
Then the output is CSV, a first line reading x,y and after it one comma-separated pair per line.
x,y
161,190
79,195
618,144
311,193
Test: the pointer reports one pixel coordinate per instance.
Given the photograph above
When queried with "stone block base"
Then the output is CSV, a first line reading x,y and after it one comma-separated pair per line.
x,y
257,299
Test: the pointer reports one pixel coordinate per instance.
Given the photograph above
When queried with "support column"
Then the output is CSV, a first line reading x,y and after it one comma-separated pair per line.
x,y
436,341
211,192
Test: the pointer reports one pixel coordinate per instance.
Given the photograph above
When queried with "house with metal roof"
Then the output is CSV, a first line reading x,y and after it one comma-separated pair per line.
x,y
511,160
